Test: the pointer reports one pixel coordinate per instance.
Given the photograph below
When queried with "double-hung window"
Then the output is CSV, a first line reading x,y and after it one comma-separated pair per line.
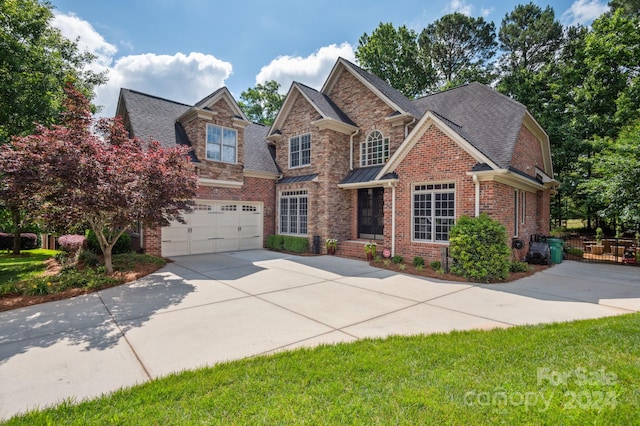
x,y
293,212
375,150
222,144
433,211
300,151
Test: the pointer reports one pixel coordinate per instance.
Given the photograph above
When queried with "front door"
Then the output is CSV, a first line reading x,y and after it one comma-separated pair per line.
x,y
371,213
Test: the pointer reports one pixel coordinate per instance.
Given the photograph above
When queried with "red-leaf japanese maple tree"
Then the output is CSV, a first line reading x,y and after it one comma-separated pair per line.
x,y
95,174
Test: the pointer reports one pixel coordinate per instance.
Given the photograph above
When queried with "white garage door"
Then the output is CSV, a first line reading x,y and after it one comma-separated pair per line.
x,y
215,226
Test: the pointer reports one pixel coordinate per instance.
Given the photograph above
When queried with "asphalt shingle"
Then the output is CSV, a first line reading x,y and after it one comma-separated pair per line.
x,y
326,106
152,117
489,120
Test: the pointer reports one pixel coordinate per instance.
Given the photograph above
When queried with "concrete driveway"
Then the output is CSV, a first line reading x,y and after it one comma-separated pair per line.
x,y
201,310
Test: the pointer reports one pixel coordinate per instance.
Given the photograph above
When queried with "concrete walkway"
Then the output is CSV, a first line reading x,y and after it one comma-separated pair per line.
x,y
205,309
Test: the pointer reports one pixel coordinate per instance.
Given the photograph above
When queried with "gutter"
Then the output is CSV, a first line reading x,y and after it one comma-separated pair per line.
x,y
476,181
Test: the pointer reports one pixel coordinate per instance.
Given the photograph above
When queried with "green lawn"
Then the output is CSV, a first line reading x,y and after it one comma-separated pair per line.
x,y
585,372
29,264
23,274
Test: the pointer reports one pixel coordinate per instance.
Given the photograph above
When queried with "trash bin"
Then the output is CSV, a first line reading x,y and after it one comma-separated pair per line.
x,y
556,246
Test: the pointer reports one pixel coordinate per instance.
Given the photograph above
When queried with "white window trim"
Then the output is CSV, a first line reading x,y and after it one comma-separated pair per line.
x,y
523,206
365,161
433,224
300,151
292,194
206,144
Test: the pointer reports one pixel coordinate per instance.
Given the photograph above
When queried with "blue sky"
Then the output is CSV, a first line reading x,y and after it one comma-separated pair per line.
x,y
185,49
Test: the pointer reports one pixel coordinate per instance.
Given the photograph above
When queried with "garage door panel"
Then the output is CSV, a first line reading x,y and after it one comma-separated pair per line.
x,y
215,226
249,243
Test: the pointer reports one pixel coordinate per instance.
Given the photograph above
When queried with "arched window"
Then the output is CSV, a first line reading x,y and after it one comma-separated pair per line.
x,y
375,150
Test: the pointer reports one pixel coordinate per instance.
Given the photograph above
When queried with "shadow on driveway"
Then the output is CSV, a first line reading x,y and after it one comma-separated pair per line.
x,y
85,320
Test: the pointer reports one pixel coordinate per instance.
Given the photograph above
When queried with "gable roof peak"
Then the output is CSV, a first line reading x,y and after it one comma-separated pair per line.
x,y
391,96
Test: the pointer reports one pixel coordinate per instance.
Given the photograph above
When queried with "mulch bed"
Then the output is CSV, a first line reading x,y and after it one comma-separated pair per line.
x,y
14,301
428,272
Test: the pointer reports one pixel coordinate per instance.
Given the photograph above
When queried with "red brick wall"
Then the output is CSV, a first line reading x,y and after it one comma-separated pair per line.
x,y
527,154
197,133
434,158
367,110
298,122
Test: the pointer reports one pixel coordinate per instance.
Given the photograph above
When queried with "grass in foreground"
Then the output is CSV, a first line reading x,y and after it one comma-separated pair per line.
x,y
29,264
584,372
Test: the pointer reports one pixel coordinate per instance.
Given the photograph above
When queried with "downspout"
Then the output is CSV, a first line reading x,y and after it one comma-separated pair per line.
x,y
477,183
351,148
393,219
406,127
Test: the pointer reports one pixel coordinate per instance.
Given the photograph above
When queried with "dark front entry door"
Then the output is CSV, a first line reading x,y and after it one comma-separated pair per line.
x,y
371,213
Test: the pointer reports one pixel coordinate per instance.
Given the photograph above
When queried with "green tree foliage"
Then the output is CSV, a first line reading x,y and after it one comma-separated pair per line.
x,y
262,103
615,181
529,36
629,7
460,48
609,98
394,56
105,180
479,249
35,62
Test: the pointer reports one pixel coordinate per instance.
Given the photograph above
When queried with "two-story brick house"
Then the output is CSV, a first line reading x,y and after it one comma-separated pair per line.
x,y
358,161
234,208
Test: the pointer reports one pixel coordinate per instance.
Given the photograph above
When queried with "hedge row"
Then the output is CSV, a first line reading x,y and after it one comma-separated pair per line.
x,y
288,243
28,241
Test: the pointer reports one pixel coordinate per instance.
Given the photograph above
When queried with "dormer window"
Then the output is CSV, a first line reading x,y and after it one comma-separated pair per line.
x,y
375,150
300,151
222,144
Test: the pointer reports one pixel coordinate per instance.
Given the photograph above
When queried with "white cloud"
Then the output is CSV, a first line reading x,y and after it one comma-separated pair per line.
x,y
89,39
179,77
485,12
312,70
459,6
584,11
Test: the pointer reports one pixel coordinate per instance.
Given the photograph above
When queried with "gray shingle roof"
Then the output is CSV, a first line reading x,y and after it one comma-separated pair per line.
x,y
487,119
155,118
326,106
152,117
385,88
256,149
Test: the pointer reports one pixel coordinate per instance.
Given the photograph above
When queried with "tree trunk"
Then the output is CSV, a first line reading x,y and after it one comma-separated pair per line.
x,y
17,228
108,264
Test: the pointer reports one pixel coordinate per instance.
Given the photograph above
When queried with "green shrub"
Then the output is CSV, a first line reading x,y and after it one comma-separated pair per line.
x,y
88,258
418,261
397,259
518,266
479,249
575,251
296,244
419,268
435,265
275,242
123,245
